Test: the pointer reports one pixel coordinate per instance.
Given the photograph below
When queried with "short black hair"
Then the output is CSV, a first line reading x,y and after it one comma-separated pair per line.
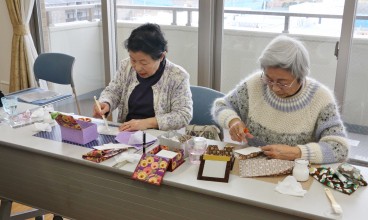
x,y
147,38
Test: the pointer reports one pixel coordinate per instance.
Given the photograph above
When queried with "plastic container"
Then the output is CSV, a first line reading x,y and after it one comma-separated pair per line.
x,y
301,170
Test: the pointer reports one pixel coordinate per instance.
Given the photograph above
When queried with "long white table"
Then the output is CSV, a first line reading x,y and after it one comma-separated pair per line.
x,y
52,176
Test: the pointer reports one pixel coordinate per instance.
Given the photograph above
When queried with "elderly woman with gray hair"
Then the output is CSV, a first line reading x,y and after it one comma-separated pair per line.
x,y
289,114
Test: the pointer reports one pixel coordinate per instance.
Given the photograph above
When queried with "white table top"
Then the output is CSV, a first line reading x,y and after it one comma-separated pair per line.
x,y
242,190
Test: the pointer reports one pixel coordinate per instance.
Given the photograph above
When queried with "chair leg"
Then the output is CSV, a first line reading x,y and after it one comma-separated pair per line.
x,y
76,100
78,107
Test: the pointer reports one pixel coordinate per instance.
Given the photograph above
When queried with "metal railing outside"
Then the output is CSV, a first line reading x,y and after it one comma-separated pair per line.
x,y
93,9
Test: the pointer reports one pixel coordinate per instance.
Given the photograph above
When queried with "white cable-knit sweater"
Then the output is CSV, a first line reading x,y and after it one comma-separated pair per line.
x,y
309,119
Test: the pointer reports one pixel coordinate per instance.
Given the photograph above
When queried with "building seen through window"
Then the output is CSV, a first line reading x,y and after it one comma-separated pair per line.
x,y
248,15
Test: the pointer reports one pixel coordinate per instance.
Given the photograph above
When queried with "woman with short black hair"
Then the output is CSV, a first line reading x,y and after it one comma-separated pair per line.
x,y
148,89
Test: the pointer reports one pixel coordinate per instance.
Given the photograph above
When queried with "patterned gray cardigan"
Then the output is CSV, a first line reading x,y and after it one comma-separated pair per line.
x,y
172,102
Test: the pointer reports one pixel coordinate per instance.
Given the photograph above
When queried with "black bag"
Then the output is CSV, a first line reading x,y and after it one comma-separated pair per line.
x,y
1,95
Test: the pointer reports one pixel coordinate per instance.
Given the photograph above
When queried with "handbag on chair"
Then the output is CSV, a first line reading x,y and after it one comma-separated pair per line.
x,y
207,131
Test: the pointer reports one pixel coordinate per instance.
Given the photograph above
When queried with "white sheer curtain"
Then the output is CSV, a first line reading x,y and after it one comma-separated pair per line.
x,y
26,12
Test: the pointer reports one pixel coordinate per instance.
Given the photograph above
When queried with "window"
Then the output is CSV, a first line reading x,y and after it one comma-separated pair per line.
x,y
74,28
178,20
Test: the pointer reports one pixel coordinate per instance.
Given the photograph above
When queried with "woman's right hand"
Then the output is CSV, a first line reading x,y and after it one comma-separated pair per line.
x,y
237,130
105,108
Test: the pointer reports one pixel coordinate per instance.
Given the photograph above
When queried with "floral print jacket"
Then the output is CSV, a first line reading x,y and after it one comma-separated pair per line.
x,y
172,102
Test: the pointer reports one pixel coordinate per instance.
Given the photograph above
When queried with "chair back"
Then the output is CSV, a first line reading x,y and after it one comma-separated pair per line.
x,y
55,68
203,99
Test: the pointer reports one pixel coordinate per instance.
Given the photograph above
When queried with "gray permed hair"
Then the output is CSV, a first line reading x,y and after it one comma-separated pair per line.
x,y
287,53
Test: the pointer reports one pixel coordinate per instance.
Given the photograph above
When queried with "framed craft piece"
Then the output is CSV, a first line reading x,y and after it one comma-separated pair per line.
x,y
215,168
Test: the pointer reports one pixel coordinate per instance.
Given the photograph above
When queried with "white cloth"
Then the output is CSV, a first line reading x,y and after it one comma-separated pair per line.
x,y
42,127
290,186
38,113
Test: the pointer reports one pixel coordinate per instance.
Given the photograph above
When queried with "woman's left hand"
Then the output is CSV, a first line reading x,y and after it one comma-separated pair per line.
x,y
281,151
139,124
133,125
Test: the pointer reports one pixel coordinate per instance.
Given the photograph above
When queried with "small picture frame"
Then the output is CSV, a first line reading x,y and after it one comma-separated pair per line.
x,y
215,168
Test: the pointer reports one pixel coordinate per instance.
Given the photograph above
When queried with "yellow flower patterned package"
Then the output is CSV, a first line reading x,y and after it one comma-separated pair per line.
x,y
151,169
174,162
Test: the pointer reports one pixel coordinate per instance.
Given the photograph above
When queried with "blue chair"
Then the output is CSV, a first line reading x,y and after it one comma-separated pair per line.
x,y
203,99
56,68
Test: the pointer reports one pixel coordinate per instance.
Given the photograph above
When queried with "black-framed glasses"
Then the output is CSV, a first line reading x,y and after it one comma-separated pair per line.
x,y
267,81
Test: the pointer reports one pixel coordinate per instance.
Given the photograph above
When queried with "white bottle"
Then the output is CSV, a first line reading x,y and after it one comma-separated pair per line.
x,y
301,170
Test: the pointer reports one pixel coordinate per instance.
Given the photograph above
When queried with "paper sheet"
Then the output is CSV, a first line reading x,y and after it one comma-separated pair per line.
x,y
113,146
248,150
166,154
137,138
134,138
111,131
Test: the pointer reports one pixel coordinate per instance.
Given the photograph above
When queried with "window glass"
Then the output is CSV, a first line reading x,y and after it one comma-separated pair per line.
x,y
251,24
178,20
75,28
312,17
355,108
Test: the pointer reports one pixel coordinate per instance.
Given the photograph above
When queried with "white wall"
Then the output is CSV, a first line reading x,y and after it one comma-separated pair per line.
x,y
182,46
84,42
241,51
355,109
6,34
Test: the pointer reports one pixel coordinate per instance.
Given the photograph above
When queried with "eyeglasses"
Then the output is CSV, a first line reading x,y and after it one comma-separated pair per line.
x,y
267,81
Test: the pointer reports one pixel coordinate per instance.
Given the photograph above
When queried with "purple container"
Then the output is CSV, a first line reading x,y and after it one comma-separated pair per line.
x,y
84,136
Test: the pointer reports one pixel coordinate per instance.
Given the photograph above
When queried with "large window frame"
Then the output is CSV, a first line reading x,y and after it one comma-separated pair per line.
x,y
210,36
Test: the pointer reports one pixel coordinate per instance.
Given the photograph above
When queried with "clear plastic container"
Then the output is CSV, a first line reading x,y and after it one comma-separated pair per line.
x,y
301,170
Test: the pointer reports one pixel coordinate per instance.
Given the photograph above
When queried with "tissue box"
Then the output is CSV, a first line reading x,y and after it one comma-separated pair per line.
x,y
174,162
87,134
167,139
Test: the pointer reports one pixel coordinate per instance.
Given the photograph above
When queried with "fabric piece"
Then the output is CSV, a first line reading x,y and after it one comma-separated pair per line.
x,y
211,132
248,152
67,121
269,179
174,162
151,169
328,177
290,186
214,150
262,166
101,155
351,172
184,138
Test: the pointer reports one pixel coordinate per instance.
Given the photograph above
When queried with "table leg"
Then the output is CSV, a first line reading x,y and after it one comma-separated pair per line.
x,y
5,209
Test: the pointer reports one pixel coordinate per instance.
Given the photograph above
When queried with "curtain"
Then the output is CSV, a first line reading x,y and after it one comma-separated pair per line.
x,y
23,51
